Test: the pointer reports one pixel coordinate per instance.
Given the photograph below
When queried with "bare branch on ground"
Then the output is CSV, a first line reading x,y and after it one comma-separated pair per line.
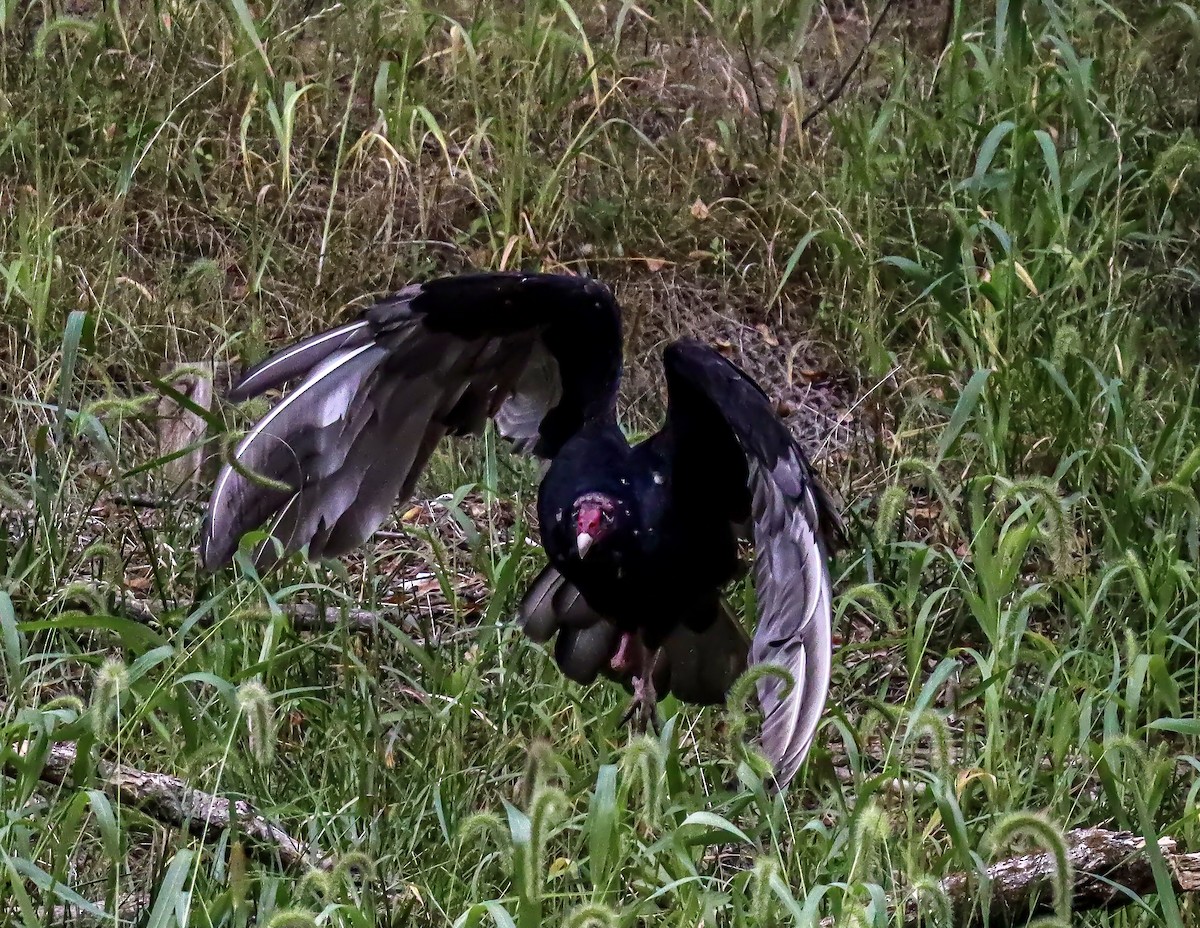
x,y
171,801
304,616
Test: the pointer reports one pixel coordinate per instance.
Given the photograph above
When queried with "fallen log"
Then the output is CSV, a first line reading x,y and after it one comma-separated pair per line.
x,y
171,801
1110,869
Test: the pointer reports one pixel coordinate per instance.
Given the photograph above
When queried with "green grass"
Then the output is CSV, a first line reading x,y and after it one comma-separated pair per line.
x,y
998,243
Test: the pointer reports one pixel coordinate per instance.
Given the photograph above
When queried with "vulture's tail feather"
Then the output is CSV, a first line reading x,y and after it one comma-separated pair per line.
x,y
698,667
586,640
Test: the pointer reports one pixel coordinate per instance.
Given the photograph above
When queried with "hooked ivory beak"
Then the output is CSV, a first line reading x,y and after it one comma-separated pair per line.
x,y
583,541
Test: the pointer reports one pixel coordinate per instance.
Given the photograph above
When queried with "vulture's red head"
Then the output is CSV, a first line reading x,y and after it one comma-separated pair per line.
x,y
594,515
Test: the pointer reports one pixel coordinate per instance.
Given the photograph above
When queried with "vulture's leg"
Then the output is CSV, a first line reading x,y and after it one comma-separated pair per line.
x,y
643,708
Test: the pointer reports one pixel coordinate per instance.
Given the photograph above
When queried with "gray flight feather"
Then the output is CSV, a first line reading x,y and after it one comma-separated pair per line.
x,y
700,666
537,392
297,442
296,361
583,652
795,611
722,419
536,614
377,394
586,640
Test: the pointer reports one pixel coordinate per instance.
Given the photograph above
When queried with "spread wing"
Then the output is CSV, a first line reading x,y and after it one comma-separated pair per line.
x,y
736,459
538,353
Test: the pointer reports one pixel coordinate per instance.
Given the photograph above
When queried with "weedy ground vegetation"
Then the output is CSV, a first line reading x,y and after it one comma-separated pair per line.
x,y
972,280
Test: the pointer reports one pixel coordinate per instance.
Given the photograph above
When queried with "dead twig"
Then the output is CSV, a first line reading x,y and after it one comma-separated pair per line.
x,y
840,87
154,502
947,26
762,113
128,911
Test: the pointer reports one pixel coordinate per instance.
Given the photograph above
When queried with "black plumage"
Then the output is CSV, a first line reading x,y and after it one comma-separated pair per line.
x,y
641,540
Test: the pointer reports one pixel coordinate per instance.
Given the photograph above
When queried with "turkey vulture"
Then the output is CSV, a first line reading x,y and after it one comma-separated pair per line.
x,y
640,540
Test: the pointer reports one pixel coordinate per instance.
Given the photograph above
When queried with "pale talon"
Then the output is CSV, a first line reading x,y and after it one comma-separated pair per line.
x,y
643,708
